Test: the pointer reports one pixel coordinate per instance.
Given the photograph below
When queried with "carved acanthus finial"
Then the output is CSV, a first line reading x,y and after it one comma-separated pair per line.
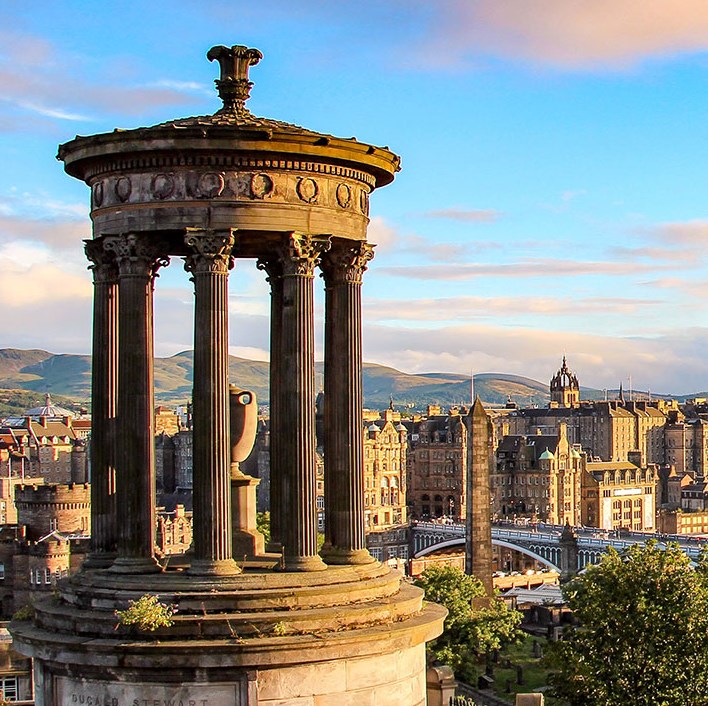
x,y
233,84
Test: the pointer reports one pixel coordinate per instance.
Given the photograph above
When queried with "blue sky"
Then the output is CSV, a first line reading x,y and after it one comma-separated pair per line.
x,y
553,197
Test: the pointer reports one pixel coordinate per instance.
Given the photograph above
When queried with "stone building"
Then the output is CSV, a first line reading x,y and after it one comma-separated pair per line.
x,y
48,508
565,389
174,531
44,443
385,454
686,443
48,542
16,682
538,477
607,430
619,495
437,465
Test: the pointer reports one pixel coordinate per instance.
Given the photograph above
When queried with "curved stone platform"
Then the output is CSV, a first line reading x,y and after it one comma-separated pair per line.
x,y
261,634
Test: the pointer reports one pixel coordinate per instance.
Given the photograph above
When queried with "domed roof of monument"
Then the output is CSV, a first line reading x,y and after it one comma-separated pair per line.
x,y
546,456
235,123
48,410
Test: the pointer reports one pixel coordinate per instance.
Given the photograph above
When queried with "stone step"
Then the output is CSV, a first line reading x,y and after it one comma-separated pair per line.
x,y
60,617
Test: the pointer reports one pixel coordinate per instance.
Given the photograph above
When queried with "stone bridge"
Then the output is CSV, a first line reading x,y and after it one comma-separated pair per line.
x,y
542,542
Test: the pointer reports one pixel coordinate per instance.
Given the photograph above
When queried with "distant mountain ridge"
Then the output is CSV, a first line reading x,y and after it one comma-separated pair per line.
x,y
69,376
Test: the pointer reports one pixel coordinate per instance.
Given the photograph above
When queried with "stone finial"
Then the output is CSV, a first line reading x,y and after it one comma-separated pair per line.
x,y
233,84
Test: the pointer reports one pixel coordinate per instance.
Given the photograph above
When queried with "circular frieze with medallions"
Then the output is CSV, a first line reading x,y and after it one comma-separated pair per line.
x,y
98,194
307,189
123,188
162,186
210,184
364,202
344,195
261,186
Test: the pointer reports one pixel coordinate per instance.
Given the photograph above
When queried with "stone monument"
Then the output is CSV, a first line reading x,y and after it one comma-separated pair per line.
x,y
478,535
310,628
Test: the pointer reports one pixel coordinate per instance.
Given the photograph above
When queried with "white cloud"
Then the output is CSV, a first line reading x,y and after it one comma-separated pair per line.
x,y
565,34
671,363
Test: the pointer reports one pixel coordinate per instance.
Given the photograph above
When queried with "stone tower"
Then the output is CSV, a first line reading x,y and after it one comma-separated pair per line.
x,y
478,542
565,390
299,626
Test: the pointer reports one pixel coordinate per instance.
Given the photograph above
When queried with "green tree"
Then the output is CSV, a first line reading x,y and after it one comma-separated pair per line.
x,y
642,636
475,625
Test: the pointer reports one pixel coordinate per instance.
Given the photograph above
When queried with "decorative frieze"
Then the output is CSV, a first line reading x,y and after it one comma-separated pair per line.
x,y
276,184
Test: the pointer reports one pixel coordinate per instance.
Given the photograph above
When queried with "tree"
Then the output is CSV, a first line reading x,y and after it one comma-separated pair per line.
x,y
475,625
643,632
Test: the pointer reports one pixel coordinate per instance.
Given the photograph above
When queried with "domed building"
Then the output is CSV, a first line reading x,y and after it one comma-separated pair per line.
x,y
49,410
565,390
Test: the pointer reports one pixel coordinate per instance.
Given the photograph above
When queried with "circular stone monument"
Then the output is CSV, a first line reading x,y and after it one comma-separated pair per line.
x,y
294,626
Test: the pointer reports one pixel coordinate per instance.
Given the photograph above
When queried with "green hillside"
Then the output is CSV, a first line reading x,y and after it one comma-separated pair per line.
x,y
69,377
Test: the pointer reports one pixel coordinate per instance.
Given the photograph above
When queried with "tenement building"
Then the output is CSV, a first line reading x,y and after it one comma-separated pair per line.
x,y
385,453
43,443
619,495
538,477
437,465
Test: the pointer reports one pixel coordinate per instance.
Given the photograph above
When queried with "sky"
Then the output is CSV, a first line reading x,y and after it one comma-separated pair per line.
x,y
553,198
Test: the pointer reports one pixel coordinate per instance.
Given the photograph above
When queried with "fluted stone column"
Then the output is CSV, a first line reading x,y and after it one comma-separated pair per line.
x,y
345,540
138,258
299,256
209,263
273,268
104,381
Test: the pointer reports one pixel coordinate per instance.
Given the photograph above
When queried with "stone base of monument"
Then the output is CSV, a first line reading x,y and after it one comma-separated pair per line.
x,y
347,635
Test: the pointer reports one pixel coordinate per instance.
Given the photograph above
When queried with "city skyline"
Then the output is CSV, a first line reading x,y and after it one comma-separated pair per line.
x,y
550,202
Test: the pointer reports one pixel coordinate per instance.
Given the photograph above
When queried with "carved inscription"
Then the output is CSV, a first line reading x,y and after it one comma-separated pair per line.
x,y
85,692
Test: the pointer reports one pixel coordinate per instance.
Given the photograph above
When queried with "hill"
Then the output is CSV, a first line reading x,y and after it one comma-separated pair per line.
x,y
69,376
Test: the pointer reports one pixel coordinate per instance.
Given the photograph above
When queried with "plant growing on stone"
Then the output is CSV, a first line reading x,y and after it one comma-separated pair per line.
x,y
147,614
26,612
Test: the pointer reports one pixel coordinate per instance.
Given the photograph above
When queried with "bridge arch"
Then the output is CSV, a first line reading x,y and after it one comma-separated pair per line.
x,y
538,555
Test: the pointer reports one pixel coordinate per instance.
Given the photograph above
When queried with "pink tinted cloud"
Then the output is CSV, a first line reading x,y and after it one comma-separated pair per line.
x,y
466,215
694,232
36,79
468,307
532,267
567,34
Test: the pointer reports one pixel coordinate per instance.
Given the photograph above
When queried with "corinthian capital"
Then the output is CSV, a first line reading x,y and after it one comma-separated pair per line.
x,y
211,251
346,261
103,262
301,253
137,254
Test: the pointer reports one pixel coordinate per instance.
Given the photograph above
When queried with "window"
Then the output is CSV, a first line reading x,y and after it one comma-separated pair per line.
x,y
8,686
47,576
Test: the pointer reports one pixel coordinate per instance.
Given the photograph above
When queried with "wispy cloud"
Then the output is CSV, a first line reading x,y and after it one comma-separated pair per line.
x,y
466,215
679,233
466,308
36,79
653,253
532,267
565,34
670,363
